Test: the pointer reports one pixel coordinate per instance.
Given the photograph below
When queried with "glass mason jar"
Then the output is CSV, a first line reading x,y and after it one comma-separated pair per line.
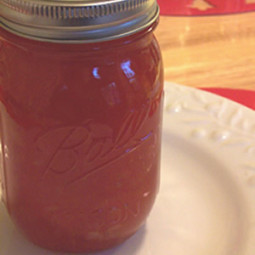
x,y
81,89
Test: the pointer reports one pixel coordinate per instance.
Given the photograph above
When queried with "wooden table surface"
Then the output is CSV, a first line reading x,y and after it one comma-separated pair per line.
x,y
209,51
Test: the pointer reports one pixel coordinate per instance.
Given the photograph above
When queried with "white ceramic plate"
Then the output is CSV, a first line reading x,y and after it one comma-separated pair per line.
x,y
206,204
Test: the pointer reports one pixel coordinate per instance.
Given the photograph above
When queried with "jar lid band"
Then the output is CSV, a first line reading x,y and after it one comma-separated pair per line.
x,y
77,20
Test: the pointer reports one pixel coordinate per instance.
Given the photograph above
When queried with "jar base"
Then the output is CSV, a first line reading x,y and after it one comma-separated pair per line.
x,y
88,247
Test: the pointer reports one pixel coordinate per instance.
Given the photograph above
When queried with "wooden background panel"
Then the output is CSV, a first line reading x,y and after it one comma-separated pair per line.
x,y
209,51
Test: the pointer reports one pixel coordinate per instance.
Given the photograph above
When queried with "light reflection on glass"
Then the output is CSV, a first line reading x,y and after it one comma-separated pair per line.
x,y
111,94
125,66
6,155
64,88
95,73
146,137
112,85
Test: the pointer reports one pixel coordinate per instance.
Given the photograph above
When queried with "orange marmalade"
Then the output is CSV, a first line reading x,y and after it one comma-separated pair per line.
x,y
81,132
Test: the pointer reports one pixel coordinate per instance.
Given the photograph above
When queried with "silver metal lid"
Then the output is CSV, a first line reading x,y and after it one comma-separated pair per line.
x,y
77,20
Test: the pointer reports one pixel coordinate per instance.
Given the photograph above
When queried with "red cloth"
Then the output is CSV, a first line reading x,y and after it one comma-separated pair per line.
x,y
245,97
204,7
